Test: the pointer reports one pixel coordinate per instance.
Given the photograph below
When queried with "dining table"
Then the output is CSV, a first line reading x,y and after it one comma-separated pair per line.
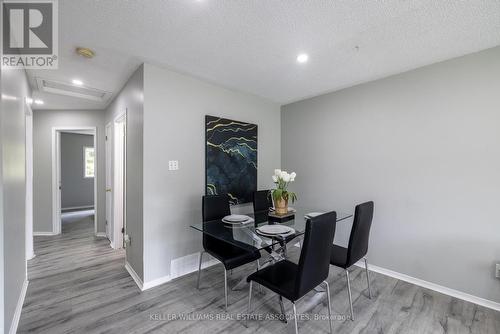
x,y
247,235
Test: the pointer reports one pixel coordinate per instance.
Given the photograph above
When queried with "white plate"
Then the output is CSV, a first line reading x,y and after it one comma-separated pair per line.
x,y
249,220
236,218
313,214
275,229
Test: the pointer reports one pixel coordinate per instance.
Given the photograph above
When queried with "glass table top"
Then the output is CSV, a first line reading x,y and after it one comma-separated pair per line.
x,y
244,235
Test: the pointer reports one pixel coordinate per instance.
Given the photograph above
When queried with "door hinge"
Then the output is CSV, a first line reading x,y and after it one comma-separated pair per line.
x,y
123,229
106,222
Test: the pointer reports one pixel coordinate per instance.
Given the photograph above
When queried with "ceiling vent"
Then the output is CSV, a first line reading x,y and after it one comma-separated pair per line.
x,y
63,88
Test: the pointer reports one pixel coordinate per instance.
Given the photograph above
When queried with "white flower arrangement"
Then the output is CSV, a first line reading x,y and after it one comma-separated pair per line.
x,y
282,179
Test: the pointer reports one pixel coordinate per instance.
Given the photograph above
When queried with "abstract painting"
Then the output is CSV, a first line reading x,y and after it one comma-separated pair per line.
x,y
231,159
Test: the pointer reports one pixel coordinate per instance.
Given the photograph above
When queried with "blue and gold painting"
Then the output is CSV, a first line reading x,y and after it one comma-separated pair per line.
x,y
231,159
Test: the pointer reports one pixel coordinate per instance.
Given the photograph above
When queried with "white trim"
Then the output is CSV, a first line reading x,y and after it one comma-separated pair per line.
x,y
19,308
56,170
43,234
156,282
29,184
119,181
78,207
189,264
101,235
432,286
108,176
134,275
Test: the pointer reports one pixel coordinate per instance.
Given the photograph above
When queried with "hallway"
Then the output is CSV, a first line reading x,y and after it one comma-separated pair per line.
x,y
70,273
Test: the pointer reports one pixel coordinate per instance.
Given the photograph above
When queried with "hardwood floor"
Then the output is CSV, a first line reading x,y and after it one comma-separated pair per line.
x,y
78,284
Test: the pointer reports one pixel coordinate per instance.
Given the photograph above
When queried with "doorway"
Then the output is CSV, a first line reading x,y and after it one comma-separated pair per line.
x,y
74,181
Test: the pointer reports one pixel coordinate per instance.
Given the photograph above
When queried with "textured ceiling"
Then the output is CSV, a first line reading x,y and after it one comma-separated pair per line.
x,y
252,45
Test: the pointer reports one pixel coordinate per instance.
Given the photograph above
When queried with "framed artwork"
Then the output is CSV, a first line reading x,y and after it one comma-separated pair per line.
x,y
230,158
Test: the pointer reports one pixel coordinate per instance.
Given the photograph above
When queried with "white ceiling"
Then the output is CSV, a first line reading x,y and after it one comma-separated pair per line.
x,y
252,45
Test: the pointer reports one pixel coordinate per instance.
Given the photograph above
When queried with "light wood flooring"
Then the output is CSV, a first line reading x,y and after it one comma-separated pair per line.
x,y
78,284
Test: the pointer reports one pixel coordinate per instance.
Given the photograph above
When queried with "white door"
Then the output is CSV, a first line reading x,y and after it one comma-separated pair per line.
x,y
109,196
118,183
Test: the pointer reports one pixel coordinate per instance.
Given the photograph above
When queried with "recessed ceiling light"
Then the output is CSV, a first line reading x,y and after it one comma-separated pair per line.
x,y
9,97
77,82
302,58
40,102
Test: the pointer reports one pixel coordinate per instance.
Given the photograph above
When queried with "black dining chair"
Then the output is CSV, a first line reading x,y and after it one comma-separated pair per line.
x,y
262,200
292,281
357,247
215,207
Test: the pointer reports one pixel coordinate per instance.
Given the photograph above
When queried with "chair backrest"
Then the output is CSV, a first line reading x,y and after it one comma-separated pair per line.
x,y
262,200
314,262
360,233
215,207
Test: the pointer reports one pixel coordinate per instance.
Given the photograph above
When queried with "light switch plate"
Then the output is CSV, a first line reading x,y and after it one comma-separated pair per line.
x,y
497,271
173,165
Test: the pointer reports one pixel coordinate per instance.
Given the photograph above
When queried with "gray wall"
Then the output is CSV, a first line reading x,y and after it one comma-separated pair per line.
x,y
425,146
12,139
175,106
43,122
130,100
77,191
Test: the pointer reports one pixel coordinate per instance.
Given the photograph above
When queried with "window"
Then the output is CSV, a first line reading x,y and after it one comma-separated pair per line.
x,y
88,162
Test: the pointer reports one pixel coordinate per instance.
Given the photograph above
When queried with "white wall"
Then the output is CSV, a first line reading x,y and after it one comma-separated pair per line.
x,y
43,122
130,101
175,106
12,139
425,146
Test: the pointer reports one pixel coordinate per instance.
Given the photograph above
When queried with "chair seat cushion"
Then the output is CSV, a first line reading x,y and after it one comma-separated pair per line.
x,y
338,256
232,256
279,278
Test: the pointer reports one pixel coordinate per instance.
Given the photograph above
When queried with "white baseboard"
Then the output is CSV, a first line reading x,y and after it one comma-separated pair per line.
x,y
155,282
19,308
432,286
134,275
188,264
44,234
178,267
101,235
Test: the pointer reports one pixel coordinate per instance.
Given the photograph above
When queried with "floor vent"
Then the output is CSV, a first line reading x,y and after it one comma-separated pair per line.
x,y
62,88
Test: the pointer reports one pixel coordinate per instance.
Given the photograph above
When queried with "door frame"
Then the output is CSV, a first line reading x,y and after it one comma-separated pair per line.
x,y
119,191
29,181
56,173
108,152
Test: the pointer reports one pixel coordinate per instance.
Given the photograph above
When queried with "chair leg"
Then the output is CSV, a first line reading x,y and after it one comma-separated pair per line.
x,y
295,318
368,278
249,303
199,270
329,307
258,268
282,307
225,286
349,290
